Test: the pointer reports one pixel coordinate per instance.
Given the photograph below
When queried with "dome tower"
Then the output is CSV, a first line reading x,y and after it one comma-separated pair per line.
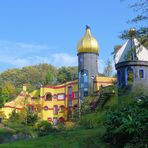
x,y
87,49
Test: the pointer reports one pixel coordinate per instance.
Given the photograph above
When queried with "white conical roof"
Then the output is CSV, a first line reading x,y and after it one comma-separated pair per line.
x,y
123,53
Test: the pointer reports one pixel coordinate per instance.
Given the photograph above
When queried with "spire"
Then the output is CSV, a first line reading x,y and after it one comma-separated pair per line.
x,y
132,32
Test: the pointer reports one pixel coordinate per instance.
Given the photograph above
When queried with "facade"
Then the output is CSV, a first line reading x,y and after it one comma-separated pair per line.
x,y
131,62
58,103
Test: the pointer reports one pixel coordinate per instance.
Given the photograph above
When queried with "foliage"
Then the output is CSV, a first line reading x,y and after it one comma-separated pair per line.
x,y
141,7
32,118
2,101
126,125
11,81
23,117
61,127
141,34
116,49
45,128
66,74
5,135
2,115
14,116
108,69
86,104
92,120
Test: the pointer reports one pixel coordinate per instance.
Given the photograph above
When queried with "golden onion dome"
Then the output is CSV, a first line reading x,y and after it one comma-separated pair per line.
x,y
88,43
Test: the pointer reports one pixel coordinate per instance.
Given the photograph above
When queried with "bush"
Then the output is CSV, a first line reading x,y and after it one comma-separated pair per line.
x,y
45,128
126,125
32,119
91,120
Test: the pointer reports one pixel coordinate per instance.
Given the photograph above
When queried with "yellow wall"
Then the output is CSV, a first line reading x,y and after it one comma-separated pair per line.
x,y
38,97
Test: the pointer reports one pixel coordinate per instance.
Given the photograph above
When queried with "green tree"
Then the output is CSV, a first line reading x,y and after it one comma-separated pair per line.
x,y
108,70
141,9
8,91
66,74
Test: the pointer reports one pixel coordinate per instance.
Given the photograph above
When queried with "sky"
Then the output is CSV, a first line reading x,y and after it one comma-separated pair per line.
x,y
47,31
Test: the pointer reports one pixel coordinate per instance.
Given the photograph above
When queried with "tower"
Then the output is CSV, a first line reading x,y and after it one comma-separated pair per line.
x,y
87,49
131,62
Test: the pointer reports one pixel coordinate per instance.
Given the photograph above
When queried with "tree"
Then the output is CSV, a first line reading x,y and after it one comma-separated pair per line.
x,y
108,70
141,7
141,34
66,74
8,91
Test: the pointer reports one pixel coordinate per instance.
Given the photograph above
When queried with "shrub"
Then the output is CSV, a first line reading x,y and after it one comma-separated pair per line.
x,y
91,120
126,125
32,119
45,128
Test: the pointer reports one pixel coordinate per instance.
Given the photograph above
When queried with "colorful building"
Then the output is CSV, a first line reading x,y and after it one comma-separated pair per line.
x,y
57,103
131,62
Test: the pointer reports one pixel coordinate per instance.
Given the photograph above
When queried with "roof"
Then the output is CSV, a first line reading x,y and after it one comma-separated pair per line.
x,y
88,43
105,79
131,50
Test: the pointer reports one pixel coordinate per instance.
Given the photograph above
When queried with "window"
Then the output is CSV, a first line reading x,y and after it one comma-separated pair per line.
x,y
83,83
141,73
69,102
130,76
75,106
119,77
85,93
46,108
55,121
70,90
61,120
48,97
76,95
61,96
55,110
55,96
62,109
49,119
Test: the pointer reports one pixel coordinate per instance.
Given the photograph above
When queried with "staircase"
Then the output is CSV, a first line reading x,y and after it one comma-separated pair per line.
x,y
104,96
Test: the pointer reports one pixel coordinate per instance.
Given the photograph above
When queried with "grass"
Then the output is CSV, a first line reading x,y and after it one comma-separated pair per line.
x,y
79,138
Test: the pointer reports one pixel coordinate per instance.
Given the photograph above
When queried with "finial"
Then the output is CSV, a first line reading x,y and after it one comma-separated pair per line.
x,y
87,27
132,32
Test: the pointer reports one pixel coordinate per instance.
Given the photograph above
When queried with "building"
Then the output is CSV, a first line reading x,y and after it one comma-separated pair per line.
x,y
131,62
57,103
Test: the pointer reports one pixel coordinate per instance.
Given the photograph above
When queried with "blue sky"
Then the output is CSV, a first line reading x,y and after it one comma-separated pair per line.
x,y
47,31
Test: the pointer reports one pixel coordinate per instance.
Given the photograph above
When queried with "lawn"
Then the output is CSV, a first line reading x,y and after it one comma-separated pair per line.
x,y
84,138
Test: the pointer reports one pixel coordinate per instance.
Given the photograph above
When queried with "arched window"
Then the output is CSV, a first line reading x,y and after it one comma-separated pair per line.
x,y
55,121
62,109
83,83
141,73
61,120
55,110
130,76
48,97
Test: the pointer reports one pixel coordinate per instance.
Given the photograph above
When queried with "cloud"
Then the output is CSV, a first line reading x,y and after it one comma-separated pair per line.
x,y
22,49
18,54
64,59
